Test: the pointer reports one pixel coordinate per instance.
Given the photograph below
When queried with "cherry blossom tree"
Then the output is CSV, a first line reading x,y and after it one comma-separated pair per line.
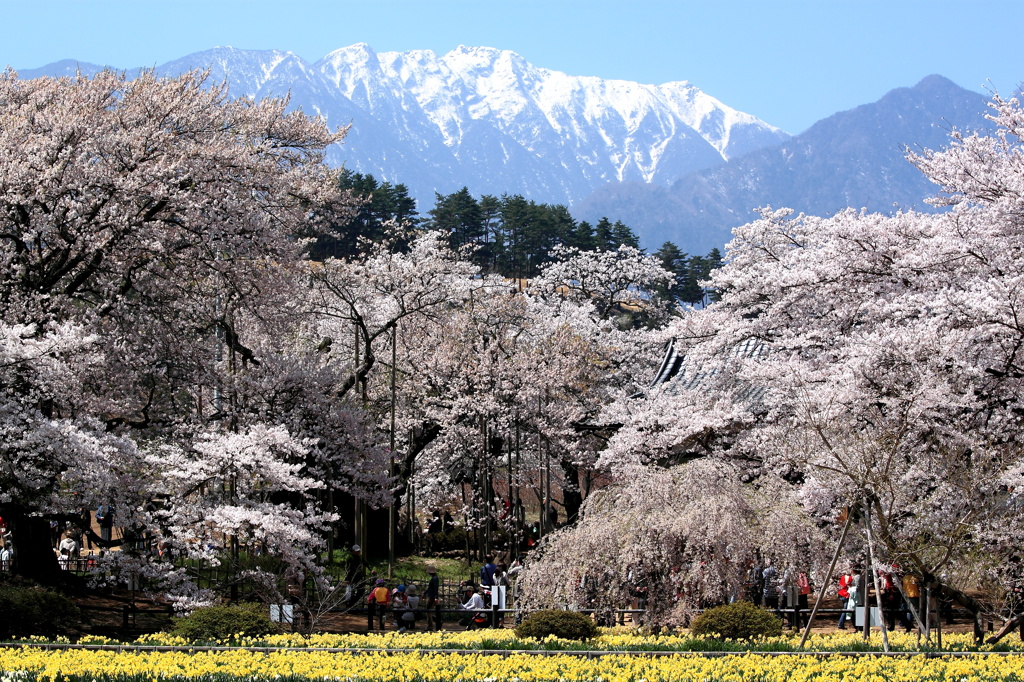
x,y
873,362
484,372
509,377
147,235
685,534
619,281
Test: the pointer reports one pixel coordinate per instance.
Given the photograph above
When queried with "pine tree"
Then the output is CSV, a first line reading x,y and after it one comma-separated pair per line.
x,y
623,235
677,262
517,220
493,239
582,237
460,217
603,237
382,204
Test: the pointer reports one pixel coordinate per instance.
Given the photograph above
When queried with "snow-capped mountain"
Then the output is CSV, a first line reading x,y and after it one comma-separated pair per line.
x,y
489,120
853,158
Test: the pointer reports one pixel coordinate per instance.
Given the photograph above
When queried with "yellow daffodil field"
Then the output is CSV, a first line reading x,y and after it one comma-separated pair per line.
x,y
612,639
432,657
71,665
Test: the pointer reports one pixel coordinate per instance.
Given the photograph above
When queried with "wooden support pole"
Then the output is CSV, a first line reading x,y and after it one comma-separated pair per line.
x,y
828,578
910,604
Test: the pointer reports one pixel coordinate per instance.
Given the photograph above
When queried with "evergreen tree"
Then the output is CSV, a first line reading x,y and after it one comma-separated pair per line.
x,y
623,235
382,204
714,262
678,263
460,217
515,219
603,237
553,226
582,237
493,238
700,270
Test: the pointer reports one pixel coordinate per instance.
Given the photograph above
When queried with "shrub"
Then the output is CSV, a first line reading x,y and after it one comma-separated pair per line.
x,y
741,620
27,611
562,624
212,623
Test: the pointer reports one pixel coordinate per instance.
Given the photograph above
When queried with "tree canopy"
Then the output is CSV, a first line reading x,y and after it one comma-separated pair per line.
x,y
147,232
870,361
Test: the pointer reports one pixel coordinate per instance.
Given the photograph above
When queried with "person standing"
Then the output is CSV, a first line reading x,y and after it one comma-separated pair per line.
x,y
803,582
68,550
500,591
433,604
377,604
487,571
754,583
105,518
845,602
398,604
355,574
859,591
890,601
912,591
792,594
407,618
770,586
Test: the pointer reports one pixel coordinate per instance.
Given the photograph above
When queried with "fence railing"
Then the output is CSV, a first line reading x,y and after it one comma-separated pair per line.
x,y
130,617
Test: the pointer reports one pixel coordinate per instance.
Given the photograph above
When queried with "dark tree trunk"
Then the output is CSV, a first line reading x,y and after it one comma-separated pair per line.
x,y
33,552
969,603
1009,626
572,492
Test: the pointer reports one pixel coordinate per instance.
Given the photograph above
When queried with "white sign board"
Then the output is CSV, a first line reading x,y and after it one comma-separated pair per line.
x,y
876,617
498,595
281,613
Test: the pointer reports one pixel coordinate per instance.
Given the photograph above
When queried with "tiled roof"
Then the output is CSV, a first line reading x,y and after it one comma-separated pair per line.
x,y
678,373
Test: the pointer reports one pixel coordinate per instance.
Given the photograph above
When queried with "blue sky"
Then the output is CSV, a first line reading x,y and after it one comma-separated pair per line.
x,y
790,63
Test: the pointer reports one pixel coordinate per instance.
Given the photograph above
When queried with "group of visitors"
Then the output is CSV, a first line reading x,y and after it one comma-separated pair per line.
x,y
69,541
492,574
897,591
404,604
69,550
787,593
789,590
6,546
479,599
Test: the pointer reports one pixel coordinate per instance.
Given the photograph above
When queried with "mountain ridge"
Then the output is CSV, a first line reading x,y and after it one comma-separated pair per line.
x,y
854,158
669,160
487,119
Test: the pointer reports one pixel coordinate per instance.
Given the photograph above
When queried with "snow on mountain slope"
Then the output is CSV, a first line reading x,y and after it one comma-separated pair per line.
x,y
487,119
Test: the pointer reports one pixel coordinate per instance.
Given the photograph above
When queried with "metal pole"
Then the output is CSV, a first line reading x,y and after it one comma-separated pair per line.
x,y
547,486
517,502
866,626
927,611
543,506
828,577
510,515
411,498
547,475
391,508
485,488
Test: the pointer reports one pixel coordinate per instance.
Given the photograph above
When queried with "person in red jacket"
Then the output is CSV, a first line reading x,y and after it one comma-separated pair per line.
x,y
845,581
